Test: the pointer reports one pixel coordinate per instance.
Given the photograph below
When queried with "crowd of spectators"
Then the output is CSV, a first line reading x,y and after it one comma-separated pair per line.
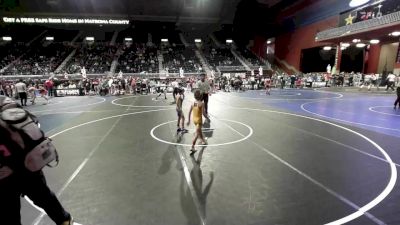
x,y
41,59
138,58
178,56
217,57
96,58
9,53
250,57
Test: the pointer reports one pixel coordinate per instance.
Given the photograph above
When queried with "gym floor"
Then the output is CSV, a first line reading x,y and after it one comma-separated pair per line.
x,y
295,157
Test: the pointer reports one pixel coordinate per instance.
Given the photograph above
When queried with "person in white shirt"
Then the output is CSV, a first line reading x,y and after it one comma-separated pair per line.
x,y
374,80
204,88
20,88
367,82
175,85
390,81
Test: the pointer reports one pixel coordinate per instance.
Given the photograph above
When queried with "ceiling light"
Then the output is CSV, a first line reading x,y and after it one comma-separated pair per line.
x,y
89,38
360,45
374,41
396,33
164,40
345,45
229,41
7,38
355,3
327,48
197,40
49,38
269,42
343,48
356,40
128,39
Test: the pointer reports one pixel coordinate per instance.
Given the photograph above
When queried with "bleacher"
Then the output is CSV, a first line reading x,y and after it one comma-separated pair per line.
x,y
178,56
40,59
138,58
96,58
250,57
221,57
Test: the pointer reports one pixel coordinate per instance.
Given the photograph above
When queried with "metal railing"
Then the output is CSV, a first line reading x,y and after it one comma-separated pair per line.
x,y
77,76
390,19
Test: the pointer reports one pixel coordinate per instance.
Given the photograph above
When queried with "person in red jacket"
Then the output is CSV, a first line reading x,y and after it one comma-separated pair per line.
x,y
49,84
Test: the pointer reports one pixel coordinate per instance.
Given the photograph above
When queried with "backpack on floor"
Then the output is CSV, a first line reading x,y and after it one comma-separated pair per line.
x,y
38,150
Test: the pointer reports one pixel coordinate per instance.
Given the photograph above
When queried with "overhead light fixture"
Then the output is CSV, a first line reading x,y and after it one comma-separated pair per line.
x,y
356,40
164,40
345,45
197,40
355,3
360,45
396,33
6,38
128,39
327,48
229,41
89,38
49,38
343,48
374,41
269,42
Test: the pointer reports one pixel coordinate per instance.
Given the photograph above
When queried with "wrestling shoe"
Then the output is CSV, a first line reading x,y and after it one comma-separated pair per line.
x,y
192,151
70,222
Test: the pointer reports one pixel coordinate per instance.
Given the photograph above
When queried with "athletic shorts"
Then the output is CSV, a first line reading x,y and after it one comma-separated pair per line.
x,y
179,112
22,95
198,125
198,122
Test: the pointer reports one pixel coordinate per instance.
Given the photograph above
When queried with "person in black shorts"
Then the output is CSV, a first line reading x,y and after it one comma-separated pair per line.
x,y
398,98
204,88
21,89
161,89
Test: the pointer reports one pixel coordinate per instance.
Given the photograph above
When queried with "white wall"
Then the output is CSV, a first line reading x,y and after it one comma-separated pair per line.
x,y
388,54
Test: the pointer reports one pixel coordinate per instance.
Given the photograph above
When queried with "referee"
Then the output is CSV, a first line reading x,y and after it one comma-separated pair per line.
x,y
21,89
204,88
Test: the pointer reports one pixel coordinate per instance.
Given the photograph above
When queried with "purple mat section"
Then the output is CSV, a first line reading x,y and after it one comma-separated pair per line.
x,y
367,111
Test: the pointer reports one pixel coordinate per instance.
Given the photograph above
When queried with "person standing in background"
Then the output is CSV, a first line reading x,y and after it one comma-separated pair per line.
x,y
20,88
204,88
398,98
390,81
49,87
267,85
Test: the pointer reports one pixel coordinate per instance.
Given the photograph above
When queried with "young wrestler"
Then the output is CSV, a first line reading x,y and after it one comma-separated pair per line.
x,y
31,91
179,100
161,89
43,93
198,108
267,84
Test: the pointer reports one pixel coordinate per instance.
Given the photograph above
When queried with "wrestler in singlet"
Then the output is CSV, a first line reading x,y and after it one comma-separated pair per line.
x,y
198,113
